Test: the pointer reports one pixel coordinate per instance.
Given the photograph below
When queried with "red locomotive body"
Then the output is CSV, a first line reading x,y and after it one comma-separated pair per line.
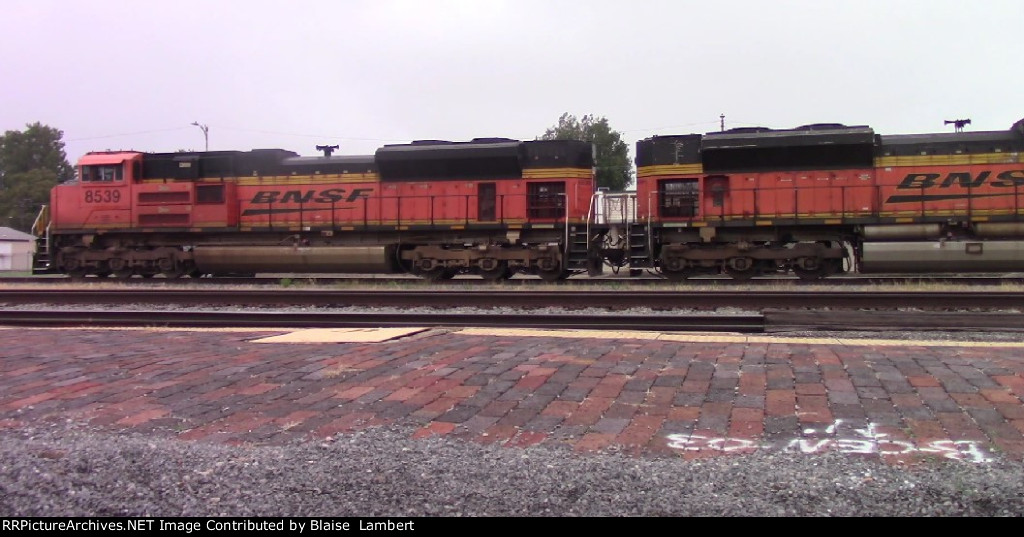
x,y
490,206
753,201
813,201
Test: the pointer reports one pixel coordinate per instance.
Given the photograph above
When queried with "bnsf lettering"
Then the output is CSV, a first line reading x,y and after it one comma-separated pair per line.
x,y
919,180
916,181
330,195
965,180
1010,178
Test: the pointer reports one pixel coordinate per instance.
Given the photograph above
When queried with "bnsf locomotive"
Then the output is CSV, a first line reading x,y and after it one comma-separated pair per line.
x,y
813,201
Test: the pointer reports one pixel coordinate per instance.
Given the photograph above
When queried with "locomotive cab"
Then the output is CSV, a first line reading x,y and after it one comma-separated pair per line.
x,y
101,199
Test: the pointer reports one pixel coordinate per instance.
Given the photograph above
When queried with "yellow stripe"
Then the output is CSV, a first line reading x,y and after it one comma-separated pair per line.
x,y
281,179
670,169
947,160
558,173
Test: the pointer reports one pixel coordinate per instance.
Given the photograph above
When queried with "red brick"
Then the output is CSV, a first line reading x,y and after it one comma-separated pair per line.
x,y
257,389
560,408
594,442
752,384
1000,396
684,413
434,428
529,383
527,439
780,402
498,434
922,381
589,411
640,430
143,417
462,392
402,394
973,400
810,389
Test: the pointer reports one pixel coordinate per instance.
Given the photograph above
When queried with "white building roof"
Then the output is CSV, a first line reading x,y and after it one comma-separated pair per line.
x,y
13,235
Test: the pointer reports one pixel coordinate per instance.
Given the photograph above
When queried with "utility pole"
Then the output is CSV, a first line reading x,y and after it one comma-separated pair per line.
x,y
206,133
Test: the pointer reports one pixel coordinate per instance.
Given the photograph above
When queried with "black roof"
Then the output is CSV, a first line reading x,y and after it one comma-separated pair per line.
x,y
808,135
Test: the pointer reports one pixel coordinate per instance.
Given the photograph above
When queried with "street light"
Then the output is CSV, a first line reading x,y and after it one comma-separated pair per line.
x,y
206,133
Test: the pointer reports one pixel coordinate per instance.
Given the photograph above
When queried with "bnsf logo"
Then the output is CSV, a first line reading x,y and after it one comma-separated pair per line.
x,y
330,195
962,179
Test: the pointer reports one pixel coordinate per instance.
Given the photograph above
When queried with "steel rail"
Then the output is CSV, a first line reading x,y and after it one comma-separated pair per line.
x,y
471,281
278,319
563,298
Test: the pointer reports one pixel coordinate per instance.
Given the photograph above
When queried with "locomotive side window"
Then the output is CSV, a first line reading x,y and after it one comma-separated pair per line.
x,y
546,200
678,198
486,201
105,173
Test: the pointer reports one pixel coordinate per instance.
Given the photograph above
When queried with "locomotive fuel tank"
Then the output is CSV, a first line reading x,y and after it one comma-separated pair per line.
x,y
359,259
942,256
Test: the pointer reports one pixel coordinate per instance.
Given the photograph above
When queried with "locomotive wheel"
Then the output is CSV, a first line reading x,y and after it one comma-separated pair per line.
x,y
170,268
552,275
498,273
676,275
741,268
809,274
437,274
818,270
123,273
76,273
740,275
103,274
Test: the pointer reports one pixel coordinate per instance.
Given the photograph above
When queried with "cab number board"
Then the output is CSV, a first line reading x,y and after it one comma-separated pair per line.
x,y
102,196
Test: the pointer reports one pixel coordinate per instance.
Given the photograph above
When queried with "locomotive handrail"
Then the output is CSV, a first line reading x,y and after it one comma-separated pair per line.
x,y
38,227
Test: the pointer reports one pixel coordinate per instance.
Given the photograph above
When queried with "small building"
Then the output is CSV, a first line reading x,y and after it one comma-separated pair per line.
x,y
16,250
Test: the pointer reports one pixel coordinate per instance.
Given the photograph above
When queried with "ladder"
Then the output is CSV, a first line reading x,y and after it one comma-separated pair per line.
x,y
42,263
639,246
578,248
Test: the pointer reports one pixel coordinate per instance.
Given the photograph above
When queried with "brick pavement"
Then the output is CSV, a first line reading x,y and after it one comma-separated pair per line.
x,y
675,395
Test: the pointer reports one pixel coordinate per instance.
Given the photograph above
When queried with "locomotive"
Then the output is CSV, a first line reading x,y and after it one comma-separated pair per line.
x,y
813,201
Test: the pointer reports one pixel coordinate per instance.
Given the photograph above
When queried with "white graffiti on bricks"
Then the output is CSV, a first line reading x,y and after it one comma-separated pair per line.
x,y
838,436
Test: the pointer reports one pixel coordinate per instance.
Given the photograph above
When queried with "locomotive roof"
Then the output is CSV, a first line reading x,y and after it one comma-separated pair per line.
x,y
444,150
333,159
105,157
949,137
825,134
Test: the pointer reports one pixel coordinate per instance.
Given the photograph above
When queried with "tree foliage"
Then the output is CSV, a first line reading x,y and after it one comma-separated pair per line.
x,y
611,158
32,162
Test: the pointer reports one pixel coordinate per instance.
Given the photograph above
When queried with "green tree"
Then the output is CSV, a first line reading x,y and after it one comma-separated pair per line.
x,y
32,162
614,169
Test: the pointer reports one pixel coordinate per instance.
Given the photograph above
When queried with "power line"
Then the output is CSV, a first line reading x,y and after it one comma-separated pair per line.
x,y
322,136
123,134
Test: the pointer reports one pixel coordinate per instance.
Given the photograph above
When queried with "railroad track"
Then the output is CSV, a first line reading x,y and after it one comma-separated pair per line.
x,y
517,298
527,281
277,319
769,321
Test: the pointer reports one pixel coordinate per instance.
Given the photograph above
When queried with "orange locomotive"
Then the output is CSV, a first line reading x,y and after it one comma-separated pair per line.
x,y
821,198
813,201
490,206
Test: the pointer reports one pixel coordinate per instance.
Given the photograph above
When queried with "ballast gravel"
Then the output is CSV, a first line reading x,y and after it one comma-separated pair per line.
x,y
68,470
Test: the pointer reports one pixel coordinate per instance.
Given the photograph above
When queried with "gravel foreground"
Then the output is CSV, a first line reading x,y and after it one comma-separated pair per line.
x,y
67,470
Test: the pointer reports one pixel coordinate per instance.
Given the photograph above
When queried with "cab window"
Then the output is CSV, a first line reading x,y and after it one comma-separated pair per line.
x,y
102,173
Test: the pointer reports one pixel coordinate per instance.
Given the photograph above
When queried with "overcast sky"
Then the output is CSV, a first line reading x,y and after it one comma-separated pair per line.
x,y
135,74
